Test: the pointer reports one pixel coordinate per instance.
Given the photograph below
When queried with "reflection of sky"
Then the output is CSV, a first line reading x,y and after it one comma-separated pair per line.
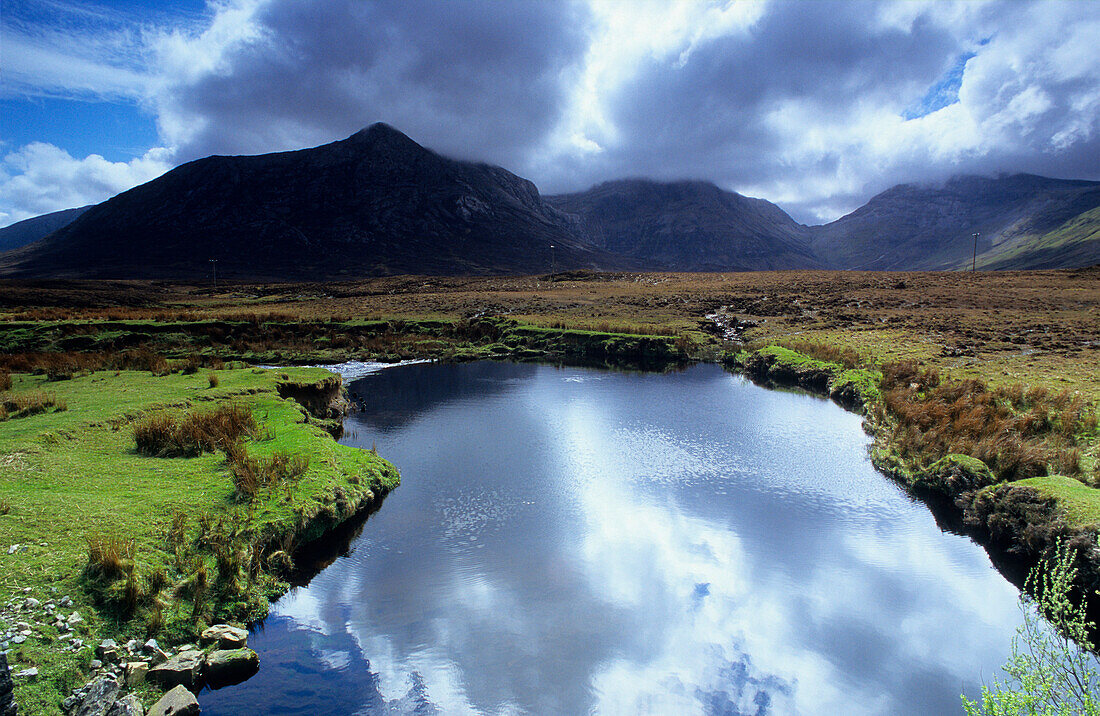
x,y
685,543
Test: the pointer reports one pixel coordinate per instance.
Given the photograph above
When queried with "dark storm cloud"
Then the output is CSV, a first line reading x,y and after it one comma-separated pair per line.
x,y
473,79
803,103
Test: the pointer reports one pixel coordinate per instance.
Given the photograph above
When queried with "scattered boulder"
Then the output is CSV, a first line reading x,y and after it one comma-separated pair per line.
x,y
127,706
108,651
94,698
230,666
136,671
227,637
30,674
183,668
7,698
177,702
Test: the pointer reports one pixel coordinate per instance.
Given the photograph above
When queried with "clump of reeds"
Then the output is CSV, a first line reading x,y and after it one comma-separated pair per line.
x,y
5,380
199,431
109,556
251,474
19,405
212,379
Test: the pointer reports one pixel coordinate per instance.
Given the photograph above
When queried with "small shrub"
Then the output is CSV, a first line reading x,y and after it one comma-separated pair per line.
x,y
5,380
212,379
191,365
250,474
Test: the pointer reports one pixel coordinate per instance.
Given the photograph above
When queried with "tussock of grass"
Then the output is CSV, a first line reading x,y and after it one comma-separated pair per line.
x,y
250,474
109,556
21,405
199,431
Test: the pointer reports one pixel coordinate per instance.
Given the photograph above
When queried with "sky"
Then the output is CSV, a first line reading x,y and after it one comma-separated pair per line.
x,y
816,106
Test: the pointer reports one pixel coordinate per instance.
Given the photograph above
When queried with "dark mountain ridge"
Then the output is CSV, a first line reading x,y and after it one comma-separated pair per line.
x,y
378,203
688,226
375,203
30,230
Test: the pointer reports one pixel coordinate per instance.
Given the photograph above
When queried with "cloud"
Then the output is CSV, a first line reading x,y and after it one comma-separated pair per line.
x,y
40,178
815,106
806,104
480,80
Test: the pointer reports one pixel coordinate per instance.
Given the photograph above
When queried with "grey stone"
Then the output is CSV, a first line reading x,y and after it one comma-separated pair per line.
x,y
177,702
227,637
7,698
94,698
18,639
230,666
74,618
183,668
32,603
95,664
108,651
127,706
31,673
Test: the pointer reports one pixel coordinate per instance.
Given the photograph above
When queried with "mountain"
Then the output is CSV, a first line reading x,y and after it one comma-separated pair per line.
x,y
1024,221
28,231
688,226
375,203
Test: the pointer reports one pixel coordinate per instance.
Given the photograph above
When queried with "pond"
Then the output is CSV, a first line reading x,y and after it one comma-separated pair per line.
x,y
569,541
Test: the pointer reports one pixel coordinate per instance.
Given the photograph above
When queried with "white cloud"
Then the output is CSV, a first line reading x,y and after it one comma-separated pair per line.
x,y
40,178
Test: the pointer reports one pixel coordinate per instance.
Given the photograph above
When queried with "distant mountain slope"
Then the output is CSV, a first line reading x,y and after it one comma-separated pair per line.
x,y
1074,244
375,203
921,227
30,230
688,226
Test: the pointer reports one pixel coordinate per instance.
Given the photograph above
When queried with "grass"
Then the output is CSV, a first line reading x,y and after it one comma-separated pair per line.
x,y
1079,502
160,545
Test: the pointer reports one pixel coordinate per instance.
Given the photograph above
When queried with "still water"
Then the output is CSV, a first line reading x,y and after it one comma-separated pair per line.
x,y
570,541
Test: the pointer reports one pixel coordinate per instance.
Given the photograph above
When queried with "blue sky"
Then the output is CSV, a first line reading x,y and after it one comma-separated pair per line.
x,y
814,105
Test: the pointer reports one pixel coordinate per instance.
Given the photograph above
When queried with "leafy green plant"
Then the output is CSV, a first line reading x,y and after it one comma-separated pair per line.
x,y
1052,670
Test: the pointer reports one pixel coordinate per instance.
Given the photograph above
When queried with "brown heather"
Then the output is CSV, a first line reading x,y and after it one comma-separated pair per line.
x,y
199,431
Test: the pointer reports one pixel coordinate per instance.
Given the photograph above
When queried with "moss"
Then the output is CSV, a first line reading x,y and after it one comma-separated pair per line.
x,y
955,474
1079,503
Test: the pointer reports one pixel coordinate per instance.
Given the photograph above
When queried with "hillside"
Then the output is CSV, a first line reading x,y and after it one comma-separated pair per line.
x,y
376,203
30,230
910,227
688,226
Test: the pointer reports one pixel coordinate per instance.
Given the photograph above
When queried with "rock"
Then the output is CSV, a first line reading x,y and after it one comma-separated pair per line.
x,y
32,603
108,651
136,672
133,646
227,637
74,619
13,548
230,666
66,602
18,639
95,664
7,698
183,668
30,674
127,706
154,652
177,702
94,698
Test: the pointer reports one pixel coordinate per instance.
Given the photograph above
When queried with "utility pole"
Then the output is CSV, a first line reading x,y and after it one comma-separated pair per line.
x,y
974,261
214,269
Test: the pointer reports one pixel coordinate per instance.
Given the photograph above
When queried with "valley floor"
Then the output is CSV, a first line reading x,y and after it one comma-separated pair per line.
x,y
899,346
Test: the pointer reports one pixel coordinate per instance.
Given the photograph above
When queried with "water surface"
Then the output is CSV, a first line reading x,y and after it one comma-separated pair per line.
x,y
569,541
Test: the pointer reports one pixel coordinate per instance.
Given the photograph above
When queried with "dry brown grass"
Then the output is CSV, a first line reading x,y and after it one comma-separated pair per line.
x,y
1019,432
109,556
199,431
32,402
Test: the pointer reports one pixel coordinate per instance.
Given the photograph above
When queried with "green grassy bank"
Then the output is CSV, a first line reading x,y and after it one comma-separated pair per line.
x,y
151,546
